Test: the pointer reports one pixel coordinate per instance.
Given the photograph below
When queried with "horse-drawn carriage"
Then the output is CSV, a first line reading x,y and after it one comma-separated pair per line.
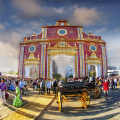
x,y
73,89
77,89
93,87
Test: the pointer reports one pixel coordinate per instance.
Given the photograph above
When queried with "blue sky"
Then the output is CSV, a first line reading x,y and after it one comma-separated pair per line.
x,y
20,18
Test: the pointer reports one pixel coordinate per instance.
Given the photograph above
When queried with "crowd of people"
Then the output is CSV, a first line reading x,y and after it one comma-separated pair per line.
x,y
19,85
14,85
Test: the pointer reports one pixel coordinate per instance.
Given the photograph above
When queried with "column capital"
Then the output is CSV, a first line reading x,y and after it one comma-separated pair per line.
x,y
75,53
48,54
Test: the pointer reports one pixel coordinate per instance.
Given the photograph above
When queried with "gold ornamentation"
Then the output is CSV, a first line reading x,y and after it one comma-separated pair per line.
x,y
31,60
93,59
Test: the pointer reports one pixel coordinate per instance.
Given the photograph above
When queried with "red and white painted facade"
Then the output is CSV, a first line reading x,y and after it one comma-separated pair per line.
x,y
62,38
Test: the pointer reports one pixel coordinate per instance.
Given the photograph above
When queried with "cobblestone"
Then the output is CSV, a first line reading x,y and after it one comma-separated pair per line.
x,y
99,109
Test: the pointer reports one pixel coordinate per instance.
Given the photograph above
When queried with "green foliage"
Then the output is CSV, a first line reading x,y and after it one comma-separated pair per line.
x,y
71,76
16,73
9,72
63,79
92,73
56,76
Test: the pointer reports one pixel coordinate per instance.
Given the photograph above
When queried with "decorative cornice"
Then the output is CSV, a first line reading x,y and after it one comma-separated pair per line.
x,y
66,39
62,26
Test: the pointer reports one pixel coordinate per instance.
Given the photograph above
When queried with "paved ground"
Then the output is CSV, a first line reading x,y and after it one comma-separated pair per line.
x,y
32,105
99,109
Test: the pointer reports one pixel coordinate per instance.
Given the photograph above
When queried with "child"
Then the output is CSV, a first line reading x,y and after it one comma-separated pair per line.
x,y
106,87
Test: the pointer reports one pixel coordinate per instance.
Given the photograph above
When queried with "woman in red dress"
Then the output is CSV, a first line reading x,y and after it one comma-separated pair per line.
x,y
106,88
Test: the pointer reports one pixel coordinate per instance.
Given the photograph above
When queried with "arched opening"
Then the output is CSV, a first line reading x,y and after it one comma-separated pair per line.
x,y
96,68
63,64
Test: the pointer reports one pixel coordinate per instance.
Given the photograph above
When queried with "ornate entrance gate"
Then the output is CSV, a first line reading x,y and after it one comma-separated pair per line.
x,y
62,38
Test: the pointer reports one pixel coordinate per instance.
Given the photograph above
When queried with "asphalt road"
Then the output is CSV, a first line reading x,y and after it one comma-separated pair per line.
x,y
99,109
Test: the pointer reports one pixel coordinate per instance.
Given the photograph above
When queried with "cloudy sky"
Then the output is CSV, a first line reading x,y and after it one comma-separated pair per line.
x,y
20,18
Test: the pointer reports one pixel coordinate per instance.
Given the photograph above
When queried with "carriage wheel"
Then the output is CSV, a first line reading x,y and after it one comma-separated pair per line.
x,y
97,92
85,99
60,101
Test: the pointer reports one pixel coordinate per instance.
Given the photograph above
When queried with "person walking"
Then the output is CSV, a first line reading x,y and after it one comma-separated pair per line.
x,y
42,87
48,86
115,82
54,86
3,89
112,83
21,87
25,84
106,88
33,83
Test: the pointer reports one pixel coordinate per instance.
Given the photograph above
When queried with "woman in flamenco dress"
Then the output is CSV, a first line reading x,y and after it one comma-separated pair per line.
x,y
17,101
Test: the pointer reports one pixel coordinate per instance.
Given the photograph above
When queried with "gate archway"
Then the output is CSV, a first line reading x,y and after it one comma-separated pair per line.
x,y
63,38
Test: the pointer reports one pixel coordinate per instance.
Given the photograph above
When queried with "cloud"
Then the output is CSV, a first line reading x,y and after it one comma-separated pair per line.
x,y
100,31
15,19
31,8
85,16
9,44
8,57
117,30
2,27
74,14
6,24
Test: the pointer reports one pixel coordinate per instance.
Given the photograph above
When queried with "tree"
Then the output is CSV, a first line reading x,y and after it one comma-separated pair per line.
x,y
16,73
92,73
9,72
56,76
71,76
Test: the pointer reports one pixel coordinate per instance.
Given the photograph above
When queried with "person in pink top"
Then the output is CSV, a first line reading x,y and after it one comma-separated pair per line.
x,y
106,88
3,89
35,84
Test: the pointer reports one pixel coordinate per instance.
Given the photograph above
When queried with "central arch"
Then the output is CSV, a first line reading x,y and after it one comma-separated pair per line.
x,y
60,62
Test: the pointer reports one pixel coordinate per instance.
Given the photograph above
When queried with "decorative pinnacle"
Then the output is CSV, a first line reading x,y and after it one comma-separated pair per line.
x,y
34,33
90,33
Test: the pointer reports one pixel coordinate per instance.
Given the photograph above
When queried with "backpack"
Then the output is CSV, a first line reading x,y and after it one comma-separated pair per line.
x,y
33,83
54,84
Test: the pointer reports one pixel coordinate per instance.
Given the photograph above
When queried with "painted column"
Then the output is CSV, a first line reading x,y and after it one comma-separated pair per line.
x,y
44,33
21,62
48,66
80,33
86,70
82,60
38,71
104,60
96,70
76,66
24,71
101,69
43,53
51,68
